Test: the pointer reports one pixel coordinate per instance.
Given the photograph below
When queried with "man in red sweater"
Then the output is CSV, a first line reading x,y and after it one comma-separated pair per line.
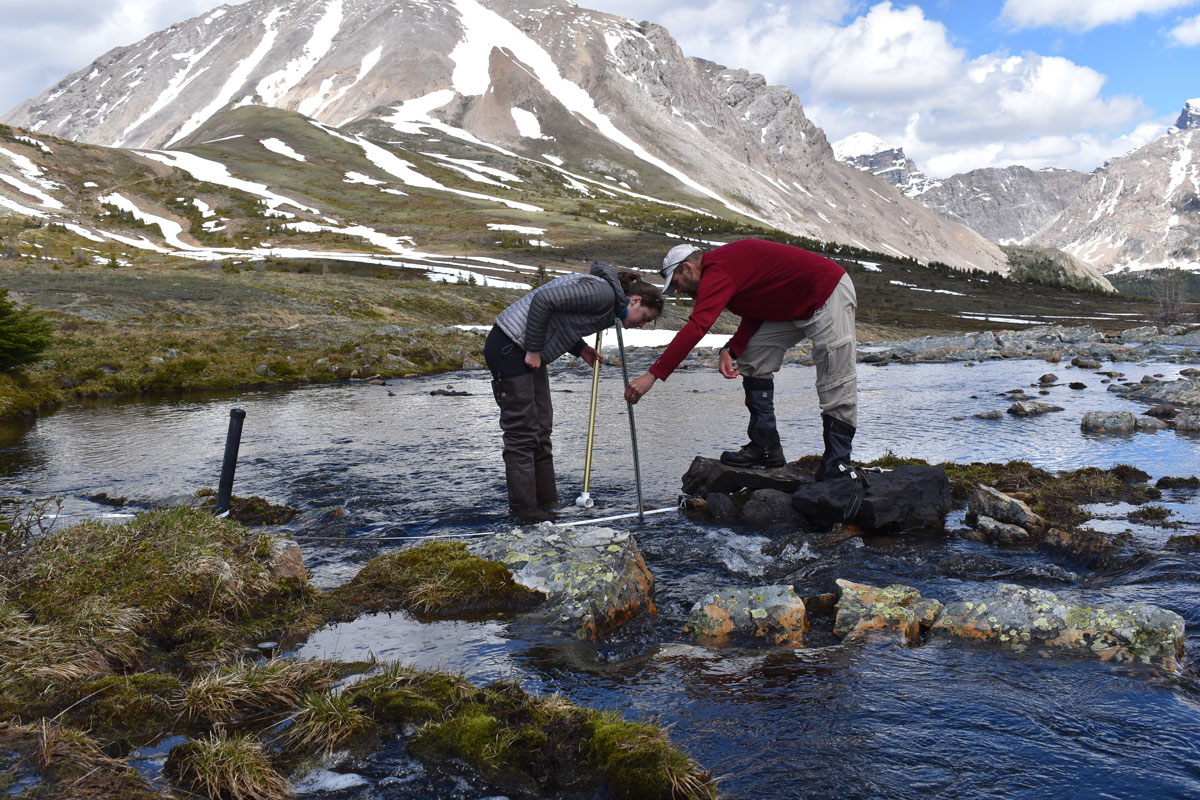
x,y
783,295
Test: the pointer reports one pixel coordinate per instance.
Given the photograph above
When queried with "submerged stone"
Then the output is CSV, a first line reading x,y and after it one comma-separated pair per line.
x,y
1019,616
774,613
594,579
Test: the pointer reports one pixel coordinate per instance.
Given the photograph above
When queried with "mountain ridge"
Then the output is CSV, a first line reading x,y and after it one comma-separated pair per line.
x,y
719,139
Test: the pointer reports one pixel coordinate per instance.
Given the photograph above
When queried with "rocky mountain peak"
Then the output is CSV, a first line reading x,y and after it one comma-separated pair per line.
x,y
1189,118
871,154
561,85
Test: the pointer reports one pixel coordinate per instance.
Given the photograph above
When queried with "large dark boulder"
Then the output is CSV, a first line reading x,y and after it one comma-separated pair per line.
x,y
909,499
710,475
769,507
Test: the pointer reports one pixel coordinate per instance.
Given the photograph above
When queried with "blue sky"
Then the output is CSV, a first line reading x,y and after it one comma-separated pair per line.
x,y
960,84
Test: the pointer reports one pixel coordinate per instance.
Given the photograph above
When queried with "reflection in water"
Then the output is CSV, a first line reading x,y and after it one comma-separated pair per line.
x,y
868,720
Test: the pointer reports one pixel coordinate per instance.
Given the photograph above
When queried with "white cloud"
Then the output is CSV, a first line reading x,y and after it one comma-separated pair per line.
x,y
1082,14
888,53
46,41
895,73
1187,33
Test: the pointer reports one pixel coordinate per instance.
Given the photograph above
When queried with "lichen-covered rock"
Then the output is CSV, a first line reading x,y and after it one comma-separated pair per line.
x,y
1143,334
900,608
1118,422
988,502
594,579
1019,616
1180,392
1188,422
774,613
997,532
1031,408
286,561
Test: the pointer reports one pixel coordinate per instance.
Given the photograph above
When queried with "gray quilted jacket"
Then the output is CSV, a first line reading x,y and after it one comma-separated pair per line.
x,y
552,318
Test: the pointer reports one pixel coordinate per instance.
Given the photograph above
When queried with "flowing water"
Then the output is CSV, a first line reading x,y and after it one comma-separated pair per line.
x,y
946,719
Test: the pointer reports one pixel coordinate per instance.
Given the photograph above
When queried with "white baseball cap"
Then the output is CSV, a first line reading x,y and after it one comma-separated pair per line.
x,y
675,256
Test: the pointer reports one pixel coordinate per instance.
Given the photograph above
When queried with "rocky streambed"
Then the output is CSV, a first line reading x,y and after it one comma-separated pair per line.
x,y
1031,620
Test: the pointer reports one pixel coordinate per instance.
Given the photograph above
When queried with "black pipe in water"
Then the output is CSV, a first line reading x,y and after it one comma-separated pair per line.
x,y
233,441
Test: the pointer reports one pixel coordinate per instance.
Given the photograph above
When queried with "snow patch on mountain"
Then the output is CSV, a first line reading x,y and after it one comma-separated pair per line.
x,y
177,84
273,87
216,172
237,77
282,148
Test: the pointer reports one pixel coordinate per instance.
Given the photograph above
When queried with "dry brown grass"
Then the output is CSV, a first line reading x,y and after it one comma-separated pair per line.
x,y
222,766
244,690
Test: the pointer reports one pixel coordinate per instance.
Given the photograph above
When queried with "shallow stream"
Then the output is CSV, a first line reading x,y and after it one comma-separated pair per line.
x,y
946,719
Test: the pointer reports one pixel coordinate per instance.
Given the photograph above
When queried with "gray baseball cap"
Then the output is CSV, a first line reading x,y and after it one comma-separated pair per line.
x,y
675,256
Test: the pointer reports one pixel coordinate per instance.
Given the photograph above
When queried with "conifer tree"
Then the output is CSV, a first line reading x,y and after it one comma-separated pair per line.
x,y
24,334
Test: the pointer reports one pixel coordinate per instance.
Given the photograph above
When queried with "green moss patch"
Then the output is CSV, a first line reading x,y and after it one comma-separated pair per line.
x,y
1168,482
529,744
253,510
434,579
1057,497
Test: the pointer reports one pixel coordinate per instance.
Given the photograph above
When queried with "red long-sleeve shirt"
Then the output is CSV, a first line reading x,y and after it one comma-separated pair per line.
x,y
758,281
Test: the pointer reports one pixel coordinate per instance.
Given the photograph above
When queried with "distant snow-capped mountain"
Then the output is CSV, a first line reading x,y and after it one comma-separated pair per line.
x,y
869,153
1006,204
1141,211
569,88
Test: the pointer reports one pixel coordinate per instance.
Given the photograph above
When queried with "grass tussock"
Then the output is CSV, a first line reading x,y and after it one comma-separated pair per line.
x,y
325,721
432,579
64,763
96,598
224,766
253,510
246,690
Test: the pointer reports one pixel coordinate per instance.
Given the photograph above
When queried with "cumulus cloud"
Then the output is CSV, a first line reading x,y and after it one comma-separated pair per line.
x,y
1082,16
1187,33
895,73
46,40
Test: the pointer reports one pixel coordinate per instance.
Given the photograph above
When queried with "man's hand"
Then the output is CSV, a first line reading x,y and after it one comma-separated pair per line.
x,y
533,360
590,355
638,387
727,367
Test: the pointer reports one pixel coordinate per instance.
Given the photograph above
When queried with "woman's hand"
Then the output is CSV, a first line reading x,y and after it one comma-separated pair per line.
x,y
590,355
533,360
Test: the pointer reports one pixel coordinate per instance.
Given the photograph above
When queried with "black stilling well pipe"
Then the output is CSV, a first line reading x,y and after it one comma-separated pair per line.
x,y
233,441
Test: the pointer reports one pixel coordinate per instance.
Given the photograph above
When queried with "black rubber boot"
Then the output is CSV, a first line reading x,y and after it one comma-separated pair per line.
x,y
838,436
764,449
